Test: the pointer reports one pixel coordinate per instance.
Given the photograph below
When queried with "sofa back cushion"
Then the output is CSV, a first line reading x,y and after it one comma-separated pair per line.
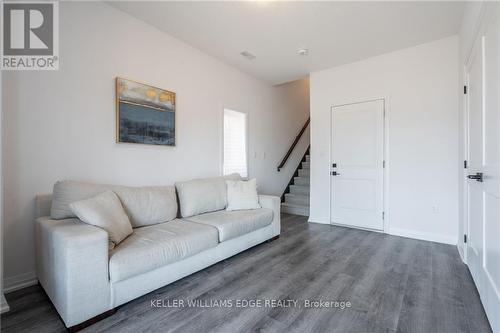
x,y
143,205
66,192
148,205
205,195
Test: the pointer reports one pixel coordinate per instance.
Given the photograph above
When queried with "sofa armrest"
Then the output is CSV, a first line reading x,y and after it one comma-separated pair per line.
x,y
274,203
72,267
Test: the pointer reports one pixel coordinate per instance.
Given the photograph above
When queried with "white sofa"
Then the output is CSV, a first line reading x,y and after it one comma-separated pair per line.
x,y
86,279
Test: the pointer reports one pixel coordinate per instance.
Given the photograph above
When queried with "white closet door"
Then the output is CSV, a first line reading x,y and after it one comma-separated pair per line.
x,y
357,164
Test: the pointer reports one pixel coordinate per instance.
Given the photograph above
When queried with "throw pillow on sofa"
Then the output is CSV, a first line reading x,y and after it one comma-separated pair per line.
x,y
242,195
106,212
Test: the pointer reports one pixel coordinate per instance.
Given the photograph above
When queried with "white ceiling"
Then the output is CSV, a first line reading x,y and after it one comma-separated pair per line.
x,y
334,32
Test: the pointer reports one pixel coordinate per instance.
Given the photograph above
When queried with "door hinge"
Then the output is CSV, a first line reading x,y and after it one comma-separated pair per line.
x,y
465,238
383,215
465,164
383,164
465,90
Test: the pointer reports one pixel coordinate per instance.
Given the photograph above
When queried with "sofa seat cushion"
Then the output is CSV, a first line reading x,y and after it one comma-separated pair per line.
x,y
232,224
151,247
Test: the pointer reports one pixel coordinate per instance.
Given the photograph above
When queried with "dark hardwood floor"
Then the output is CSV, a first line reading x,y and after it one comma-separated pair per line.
x,y
394,284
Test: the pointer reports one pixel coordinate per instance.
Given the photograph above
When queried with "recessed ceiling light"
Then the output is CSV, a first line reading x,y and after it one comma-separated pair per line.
x,y
247,55
303,52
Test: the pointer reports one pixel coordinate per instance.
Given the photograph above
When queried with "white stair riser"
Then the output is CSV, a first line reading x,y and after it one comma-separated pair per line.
x,y
296,189
297,202
306,165
295,210
304,173
301,181
297,199
308,158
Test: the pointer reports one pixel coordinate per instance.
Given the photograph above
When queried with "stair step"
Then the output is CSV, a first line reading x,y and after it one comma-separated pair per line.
x,y
298,189
304,173
297,199
301,181
294,209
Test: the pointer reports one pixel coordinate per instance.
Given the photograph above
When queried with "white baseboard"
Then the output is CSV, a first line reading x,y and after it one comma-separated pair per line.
x,y
403,233
4,307
19,282
356,227
461,252
315,220
423,236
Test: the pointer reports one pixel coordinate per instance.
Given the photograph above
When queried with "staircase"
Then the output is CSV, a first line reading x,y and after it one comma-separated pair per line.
x,y
296,196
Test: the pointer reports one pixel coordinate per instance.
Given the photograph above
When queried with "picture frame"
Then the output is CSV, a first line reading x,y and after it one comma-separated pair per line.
x,y
145,114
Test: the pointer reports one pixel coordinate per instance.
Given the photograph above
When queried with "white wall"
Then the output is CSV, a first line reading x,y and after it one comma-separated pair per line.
x,y
420,84
294,98
61,124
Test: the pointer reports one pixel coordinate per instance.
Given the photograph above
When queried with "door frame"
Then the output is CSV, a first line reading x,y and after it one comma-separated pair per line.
x,y
385,153
465,192
478,43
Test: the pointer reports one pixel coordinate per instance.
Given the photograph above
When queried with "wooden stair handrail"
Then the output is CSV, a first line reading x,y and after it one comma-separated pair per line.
x,y
290,150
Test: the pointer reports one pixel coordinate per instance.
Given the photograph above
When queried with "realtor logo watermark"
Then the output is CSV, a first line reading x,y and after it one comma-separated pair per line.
x,y
30,38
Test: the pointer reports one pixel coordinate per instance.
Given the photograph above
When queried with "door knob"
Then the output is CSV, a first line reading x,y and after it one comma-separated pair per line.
x,y
335,173
478,176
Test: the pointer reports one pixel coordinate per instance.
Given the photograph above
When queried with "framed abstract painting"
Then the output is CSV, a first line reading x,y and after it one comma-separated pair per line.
x,y
144,114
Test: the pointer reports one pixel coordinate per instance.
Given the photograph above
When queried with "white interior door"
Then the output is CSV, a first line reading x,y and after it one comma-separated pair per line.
x,y
483,206
357,174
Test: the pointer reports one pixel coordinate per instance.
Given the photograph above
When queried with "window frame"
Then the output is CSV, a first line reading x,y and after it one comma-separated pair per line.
x,y
223,113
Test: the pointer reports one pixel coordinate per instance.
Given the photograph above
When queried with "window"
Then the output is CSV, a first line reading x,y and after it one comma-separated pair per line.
x,y
235,143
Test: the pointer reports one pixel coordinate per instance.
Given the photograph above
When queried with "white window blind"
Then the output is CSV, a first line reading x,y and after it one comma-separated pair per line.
x,y
235,143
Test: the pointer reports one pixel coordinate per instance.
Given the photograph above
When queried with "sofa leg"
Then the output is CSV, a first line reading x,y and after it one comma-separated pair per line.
x,y
272,239
91,321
